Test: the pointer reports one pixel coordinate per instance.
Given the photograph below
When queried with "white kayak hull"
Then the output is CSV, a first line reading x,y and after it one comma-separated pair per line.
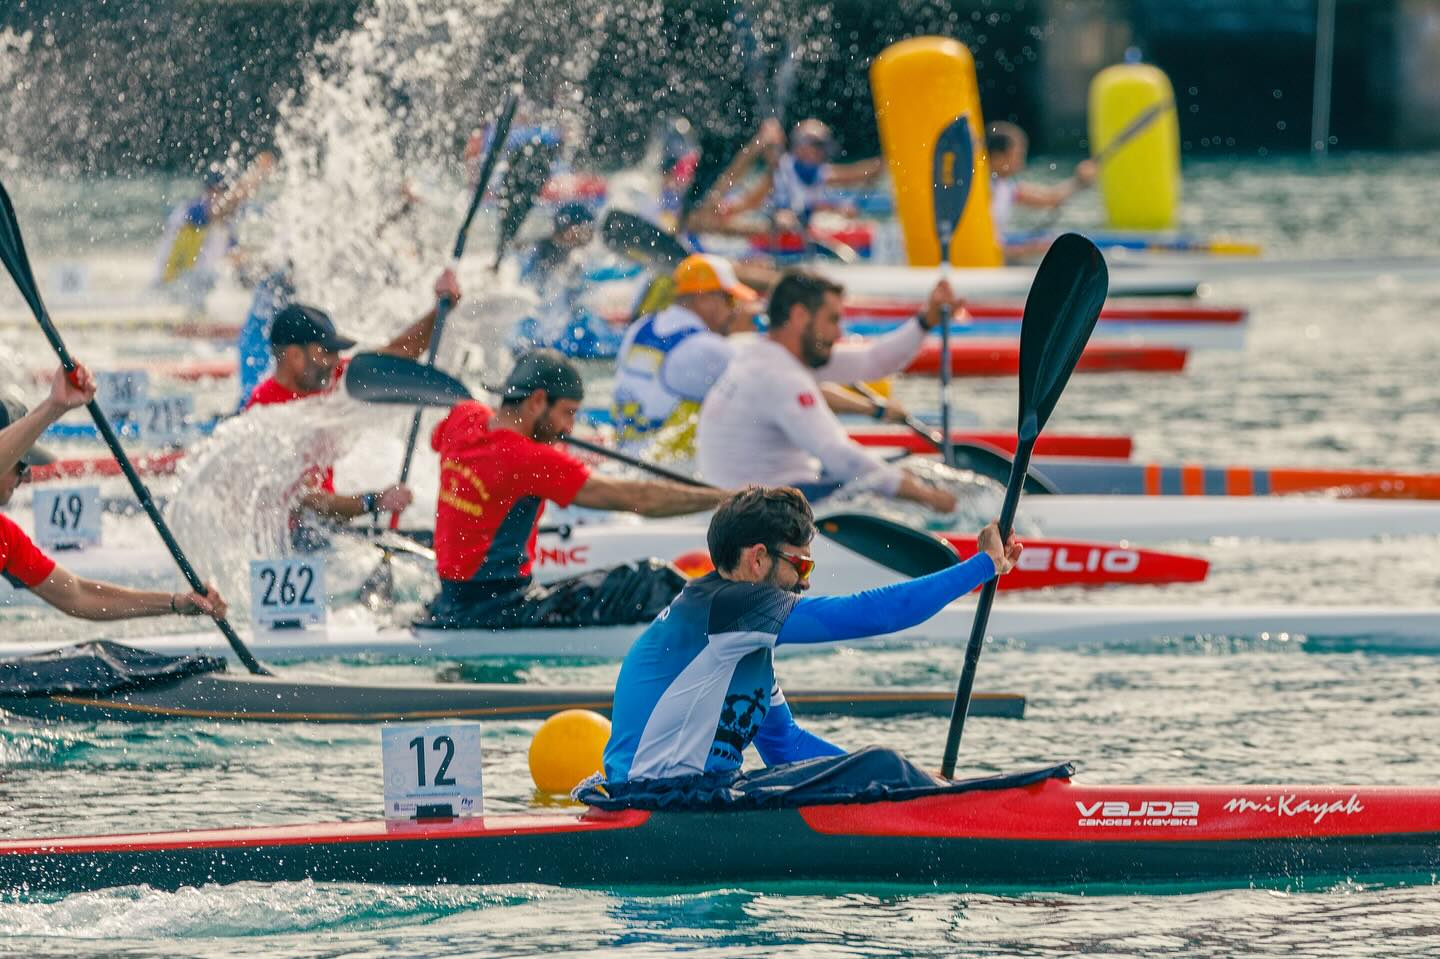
x,y
1034,625
1163,519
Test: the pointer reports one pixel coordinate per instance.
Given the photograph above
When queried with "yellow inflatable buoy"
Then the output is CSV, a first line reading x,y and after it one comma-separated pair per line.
x,y
1135,137
921,86
567,748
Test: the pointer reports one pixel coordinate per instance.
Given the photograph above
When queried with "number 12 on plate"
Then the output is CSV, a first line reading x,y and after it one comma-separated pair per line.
x,y
432,770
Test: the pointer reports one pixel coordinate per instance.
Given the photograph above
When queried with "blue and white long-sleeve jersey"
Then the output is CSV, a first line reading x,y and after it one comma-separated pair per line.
x,y
699,684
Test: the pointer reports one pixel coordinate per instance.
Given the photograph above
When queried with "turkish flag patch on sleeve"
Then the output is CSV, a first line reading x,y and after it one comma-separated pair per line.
x,y
807,399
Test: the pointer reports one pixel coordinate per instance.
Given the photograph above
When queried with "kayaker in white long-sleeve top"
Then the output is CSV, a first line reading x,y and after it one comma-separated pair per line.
x,y
766,421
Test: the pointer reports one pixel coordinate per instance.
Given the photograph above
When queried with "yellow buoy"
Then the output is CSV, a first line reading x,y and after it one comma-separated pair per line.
x,y
567,748
1139,177
921,86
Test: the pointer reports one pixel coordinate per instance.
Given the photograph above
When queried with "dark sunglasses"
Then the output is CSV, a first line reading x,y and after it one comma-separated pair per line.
x,y
22,470
804,565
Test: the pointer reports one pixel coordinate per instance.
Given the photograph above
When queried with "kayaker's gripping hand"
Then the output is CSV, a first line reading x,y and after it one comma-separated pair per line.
x,y
68,391
942,298
447,287
1004,559
210,604
395,499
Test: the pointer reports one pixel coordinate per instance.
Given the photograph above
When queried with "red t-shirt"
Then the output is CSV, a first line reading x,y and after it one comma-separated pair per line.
x,y
21,561
493,488
269,392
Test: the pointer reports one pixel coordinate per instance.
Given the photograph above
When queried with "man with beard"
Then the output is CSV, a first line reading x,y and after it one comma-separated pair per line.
x,y
22,563
498,467
766,420
699,686
307,349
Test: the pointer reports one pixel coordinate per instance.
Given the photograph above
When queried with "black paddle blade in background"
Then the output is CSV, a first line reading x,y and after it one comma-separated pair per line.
x,y
1064,302
487,170
382,378
12,251
907,551
953,171
528,172
635,236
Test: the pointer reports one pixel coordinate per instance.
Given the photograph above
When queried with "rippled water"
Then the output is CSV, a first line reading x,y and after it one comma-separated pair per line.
x,y
1336,373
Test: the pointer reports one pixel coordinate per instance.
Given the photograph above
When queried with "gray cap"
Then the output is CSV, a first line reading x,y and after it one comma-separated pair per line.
x,y
12,410
547,370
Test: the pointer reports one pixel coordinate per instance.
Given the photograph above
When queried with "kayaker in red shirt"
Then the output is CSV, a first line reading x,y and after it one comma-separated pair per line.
x,y
21,561
307,350
498,467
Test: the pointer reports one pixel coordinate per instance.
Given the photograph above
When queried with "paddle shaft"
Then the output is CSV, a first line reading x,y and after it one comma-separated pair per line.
x,y
442,308
142,493
982,614
636,462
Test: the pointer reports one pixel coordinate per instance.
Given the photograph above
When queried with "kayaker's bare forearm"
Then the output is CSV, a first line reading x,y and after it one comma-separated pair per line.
x,y
654,498
94,600
414,340
333,505
17,438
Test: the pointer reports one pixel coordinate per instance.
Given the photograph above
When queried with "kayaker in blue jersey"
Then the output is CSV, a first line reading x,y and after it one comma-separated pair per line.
x,y
199,233
670,358
699,686
272,294
555,270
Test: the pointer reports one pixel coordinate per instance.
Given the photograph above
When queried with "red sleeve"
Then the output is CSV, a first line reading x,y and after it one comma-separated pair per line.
x,y
555,474
21,561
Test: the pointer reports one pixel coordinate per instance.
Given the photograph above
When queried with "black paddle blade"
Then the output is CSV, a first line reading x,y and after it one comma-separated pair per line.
x,y
1064,302
381,378
12,251
907,551
954,168
988,461
487,170
529,170
630,235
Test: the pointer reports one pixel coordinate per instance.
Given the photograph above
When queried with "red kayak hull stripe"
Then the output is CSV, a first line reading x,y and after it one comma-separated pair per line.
x,y
1002,358
1113,312
1060,445
1058,810
153,464
1047,562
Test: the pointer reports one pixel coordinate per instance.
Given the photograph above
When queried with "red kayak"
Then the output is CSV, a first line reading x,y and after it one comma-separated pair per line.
x,y
1049,563
151,464
973,357
1031,831
1123,312
1052,562
1054,445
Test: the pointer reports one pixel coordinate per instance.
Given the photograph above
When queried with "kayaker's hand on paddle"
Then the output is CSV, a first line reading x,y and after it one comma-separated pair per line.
x,y
941,298
1085,172
1006,558
395,498
211,604
447,287
895,411
69,393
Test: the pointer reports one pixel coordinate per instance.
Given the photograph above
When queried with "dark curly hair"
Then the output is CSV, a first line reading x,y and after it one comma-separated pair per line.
x,y
759,514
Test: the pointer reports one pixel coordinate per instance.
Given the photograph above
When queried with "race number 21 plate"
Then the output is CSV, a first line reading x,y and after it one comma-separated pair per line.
x,y
287,593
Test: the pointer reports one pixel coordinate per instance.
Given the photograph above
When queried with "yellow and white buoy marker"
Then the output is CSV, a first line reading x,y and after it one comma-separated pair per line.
x,y
568,747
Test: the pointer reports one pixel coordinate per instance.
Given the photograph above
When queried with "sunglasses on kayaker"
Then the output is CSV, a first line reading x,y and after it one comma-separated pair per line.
x,y
22,470
804,565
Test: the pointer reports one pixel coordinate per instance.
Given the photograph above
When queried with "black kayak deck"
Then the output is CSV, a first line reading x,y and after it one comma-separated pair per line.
x,y
222,697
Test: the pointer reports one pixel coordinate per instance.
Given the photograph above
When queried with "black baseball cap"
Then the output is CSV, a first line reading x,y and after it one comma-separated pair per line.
x,y
12,410
546,370
301,325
